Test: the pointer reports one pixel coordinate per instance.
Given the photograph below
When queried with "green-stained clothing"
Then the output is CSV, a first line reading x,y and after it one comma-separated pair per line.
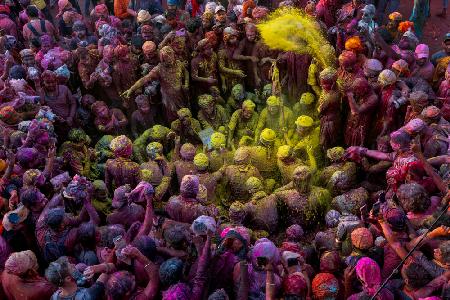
x,y
217,119
188,134
287,169
303,209
301,145
265,160
219,158
154,134
238,126
233,104
103,207
103,153
279,122
300,109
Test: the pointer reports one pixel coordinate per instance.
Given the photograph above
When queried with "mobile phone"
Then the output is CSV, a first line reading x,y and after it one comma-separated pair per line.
x,y
261,261
292,261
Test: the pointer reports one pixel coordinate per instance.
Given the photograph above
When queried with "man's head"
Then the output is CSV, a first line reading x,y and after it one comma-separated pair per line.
x,y
100,109
27,57
32,11
248,108
273,105
250,32
446,43
142,103
328,78
204,47
301,178
394,20
422,53
206,103
184,116
79,29
147,32
220,14
50,80
238,92
167,56
304,125
149,49
267,137
413,197
230,36
347,60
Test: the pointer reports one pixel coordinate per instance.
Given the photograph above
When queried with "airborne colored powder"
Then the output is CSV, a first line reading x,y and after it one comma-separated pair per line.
x,y
290,29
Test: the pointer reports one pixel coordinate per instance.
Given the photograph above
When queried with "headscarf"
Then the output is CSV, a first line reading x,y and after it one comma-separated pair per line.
x,y
79,188
332,218
137,194
101,9
170,271
284,151
260,12
328,74
189,186
202,44
405,26
62,4
121,51
295,284
354,44
265,248
143,16
63,71
401,66
205,100
347,58
187,151
294,232
9,115
179,291
248,104
18,263
30,177
148,47
203,224
201,161
121,146
218,140
413,40
241,233
362,238
373,65
330,262
422,51
395,16
267,135
304,121
325,285
369,274
307,98
387,77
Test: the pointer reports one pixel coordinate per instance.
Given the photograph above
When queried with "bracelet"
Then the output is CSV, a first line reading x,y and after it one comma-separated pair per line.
x,y
145,267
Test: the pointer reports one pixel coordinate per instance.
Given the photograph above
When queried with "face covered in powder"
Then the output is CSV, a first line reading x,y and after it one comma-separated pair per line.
x,y
301,178
250,32
167,56
50,81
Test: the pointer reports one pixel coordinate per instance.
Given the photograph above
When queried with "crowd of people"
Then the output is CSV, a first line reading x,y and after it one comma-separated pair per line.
x,y
161,150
